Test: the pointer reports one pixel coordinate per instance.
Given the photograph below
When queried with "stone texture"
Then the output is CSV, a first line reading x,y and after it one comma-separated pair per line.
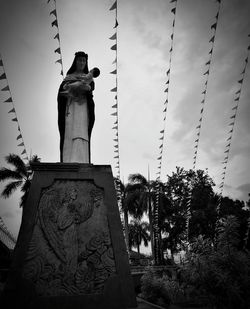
x,y
70,251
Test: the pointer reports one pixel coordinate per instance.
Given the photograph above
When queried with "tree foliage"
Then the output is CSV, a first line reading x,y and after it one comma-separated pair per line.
x,y
19,175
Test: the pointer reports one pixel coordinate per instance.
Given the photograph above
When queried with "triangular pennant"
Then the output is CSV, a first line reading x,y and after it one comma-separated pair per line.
x,y
240,81
113,47
53,13
203,101
214,26
232,117
113,72
206,72
246,60
114,114
228,145
12,111
19,136
172,36
114,61
159,158
14,119
3,76
55,23
171,49
207,63
167,82
235,107
230,131
114,106
7,88
237,92
115,139
204,92
116,24
57,37
113,37
168,71
58,50
8,100
217,15
231,124
196,141
116,146
166,90
22,144
114,6
210,52
201,110
162,131
237,99
161,138
173,10
116,157
59,61
61,73
230,137
115,128
23,152
114,89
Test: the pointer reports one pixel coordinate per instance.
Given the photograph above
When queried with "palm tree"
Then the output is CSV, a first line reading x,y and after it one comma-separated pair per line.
x,y
138,232
20,176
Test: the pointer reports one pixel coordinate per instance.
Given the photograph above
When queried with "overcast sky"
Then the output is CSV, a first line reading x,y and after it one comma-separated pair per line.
x,y
145,26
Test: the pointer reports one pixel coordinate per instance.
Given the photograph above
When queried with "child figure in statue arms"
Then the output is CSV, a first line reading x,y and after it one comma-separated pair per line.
x,y
75,87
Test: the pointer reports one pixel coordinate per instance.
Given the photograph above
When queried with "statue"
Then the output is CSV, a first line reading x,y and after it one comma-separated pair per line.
x,y
76,110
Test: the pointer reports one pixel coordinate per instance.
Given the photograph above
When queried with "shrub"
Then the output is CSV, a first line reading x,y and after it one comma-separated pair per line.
x,y
220,273
153,289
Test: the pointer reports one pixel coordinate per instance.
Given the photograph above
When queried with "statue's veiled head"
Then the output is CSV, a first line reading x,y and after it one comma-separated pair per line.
x,y
80,63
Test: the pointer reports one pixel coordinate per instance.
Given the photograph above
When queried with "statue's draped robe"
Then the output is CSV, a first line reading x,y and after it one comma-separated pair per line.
x,y
75,121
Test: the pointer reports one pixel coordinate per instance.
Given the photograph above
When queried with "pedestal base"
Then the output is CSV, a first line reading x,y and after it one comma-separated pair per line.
x,y
70,251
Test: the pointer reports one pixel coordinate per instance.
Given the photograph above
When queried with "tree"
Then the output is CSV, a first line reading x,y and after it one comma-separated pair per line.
x,y
138,233
203,211
20,176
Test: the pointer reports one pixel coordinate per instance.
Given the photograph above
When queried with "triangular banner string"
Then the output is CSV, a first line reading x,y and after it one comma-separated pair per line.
x,y
10,100
162,132
206,74
115,106
232,124
54,23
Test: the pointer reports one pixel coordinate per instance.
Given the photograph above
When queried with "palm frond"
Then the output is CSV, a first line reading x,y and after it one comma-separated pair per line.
x,y
6,173
10,188
26,186
18,163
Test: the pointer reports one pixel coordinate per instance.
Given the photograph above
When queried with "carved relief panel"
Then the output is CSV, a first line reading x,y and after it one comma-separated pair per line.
x,y
70,252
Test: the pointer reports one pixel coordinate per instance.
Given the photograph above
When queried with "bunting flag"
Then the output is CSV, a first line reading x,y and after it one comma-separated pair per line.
x,y
115,90
12,111
232,124
204,93
54,23
206,74
156,232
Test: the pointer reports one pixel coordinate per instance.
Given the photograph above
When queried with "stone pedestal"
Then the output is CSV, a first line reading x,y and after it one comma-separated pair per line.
x,y
70,251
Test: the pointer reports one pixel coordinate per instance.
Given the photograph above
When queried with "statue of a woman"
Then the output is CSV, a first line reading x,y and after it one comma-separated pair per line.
x,y
76,113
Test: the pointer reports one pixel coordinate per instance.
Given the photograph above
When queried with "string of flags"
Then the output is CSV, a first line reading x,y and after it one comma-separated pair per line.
x,y
57,36
114,90
206,74
115,113
12,111
231,126
204,94
162,136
